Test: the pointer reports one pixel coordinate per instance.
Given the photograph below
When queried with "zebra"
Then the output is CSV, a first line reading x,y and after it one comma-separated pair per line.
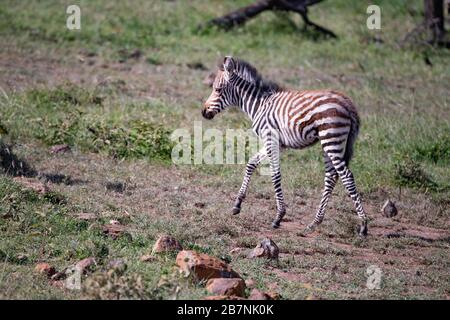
x,y
290,119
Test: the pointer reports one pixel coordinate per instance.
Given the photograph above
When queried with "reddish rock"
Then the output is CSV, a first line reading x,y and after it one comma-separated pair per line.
x,y
226,286
166,243
255,294
30,183
85,265
203,267
45,268
266,249
113,230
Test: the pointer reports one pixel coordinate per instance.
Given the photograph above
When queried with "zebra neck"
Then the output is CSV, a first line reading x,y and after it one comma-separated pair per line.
x,y
250,99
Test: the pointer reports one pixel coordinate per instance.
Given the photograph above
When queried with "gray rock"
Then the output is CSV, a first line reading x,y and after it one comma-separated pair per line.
x,y
266,249
389,209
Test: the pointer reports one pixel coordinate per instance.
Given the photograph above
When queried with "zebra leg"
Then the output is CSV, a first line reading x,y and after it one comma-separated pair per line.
x,y
250,168
347,179
330,182
273,152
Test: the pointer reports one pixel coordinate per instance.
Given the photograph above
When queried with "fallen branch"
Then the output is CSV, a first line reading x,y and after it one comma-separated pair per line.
x,y
242,15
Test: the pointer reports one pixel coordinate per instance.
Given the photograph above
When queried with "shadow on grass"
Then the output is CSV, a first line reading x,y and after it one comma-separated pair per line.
x,y
12,165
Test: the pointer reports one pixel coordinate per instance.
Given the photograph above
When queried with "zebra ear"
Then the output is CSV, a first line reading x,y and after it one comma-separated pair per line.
x,y
228,64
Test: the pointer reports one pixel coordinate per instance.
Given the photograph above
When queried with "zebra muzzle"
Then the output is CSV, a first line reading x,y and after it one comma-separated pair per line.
x,y
208,114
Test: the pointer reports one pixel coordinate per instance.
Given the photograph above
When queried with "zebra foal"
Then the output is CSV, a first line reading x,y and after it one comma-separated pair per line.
x,y
290,119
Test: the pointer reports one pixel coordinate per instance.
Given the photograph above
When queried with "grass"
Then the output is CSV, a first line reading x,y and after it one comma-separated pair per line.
x,y
85,89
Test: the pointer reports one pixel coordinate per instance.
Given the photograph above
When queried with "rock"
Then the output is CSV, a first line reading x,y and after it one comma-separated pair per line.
x,y
45,268
113,230
59,148
226,286
267,249
22,258
166,243
203,267
273,295
223,298
85,265
147,258
249,283
389,210
255,294
30,183
115,222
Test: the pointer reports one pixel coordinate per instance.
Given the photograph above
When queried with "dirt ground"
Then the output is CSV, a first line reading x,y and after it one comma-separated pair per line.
x,y
197,204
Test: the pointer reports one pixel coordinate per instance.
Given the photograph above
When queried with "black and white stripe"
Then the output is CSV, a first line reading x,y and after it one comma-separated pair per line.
x,y
290,119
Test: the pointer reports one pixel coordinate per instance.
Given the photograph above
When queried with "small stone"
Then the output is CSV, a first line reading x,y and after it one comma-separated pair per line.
x,y
85,265
250,283
113,230
273,295
166,243
226,286
45,268
114,222
255,294
59,148
147,258
22,258
267,249
203,267
389,210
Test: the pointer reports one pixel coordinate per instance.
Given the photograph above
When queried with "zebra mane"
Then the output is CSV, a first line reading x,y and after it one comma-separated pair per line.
x,y
246,71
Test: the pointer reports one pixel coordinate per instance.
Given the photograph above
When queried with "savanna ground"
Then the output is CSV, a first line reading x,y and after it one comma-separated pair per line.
x,y
116,89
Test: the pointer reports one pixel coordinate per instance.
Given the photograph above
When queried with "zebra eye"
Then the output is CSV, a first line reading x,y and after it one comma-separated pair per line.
x,y
219,90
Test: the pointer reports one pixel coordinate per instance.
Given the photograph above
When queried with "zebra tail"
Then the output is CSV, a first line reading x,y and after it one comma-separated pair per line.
x,y
354,130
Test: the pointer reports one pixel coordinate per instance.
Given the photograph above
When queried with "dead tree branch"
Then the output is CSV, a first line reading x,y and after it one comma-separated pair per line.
x,y
242,15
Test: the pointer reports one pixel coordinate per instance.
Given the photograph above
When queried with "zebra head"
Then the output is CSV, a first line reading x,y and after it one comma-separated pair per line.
x,y
222,94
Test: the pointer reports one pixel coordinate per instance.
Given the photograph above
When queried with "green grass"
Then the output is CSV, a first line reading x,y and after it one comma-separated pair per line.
x,y
70,115
403,147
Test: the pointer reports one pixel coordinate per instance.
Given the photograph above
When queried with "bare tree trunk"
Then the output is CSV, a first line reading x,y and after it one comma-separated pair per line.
x,y
434,19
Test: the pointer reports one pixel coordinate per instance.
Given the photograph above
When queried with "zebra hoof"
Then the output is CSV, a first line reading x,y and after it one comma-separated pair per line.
x,y
276,224
236,210
310,228
362,230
